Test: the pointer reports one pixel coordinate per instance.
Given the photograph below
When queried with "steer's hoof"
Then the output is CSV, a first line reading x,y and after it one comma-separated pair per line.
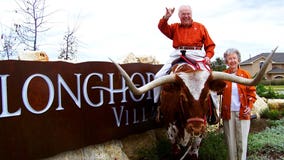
x,y
158,119
193,156
176,151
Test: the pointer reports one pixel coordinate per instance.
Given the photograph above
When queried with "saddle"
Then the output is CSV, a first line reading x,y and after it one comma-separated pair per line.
x,y
183,58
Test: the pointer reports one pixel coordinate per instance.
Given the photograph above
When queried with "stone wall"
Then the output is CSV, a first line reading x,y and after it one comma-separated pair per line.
x,y
123,149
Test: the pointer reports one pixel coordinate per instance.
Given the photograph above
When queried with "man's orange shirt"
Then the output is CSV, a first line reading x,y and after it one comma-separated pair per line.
x,y
196,35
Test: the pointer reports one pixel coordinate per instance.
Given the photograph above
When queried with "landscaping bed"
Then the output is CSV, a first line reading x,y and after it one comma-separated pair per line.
x,y
266,141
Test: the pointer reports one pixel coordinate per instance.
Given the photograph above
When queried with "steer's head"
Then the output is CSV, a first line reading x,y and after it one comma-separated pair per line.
x,y
186,101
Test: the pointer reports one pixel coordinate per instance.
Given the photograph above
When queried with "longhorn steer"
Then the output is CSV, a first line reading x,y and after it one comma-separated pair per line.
x,y
184,100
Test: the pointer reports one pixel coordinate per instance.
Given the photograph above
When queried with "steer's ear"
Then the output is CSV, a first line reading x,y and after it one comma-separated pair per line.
x,y
217,85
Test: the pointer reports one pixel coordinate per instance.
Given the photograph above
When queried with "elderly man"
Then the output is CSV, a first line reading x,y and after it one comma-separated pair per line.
x,y
188,39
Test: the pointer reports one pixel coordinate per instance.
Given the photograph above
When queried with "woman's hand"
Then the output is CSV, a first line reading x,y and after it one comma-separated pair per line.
x,y
247,111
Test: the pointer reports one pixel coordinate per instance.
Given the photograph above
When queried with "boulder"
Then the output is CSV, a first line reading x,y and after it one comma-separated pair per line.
x,y
131,58
259,106
277,104
33,56
111,150
123,149
135,143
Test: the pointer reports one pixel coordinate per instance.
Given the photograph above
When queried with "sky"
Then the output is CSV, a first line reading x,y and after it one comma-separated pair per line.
x,y
113,28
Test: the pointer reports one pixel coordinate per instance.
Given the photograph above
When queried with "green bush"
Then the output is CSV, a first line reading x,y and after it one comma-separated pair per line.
x,y
262,91
213,147
271,114
280,96
162,150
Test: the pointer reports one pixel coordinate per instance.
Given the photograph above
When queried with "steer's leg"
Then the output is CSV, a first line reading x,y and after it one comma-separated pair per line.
x,y
172,132
158,114
173,137
195,148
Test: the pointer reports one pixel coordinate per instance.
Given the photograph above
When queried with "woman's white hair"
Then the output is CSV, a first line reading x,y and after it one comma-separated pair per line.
x,y
232,51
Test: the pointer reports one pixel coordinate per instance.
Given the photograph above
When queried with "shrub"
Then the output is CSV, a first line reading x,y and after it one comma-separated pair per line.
x,y
262,91
147,154
213,147
162,150
271,93
270,114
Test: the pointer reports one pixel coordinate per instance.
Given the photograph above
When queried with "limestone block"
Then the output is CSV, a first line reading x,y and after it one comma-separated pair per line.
x,y
131,58
33,56
259,106
276,104
134,143
107,151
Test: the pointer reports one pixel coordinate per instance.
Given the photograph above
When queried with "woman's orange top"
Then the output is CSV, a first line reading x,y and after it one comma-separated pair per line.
x,y
247,96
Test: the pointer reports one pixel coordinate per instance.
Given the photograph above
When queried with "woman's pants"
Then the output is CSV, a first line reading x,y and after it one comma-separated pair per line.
x,y
236,136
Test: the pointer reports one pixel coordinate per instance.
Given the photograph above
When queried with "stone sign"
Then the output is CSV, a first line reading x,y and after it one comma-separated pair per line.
x,y
51,107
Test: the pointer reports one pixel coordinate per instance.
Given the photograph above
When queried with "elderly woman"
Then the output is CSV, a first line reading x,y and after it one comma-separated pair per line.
x,y
237,103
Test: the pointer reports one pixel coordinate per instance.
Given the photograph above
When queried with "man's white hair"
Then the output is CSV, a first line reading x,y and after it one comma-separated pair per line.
x,y
184,7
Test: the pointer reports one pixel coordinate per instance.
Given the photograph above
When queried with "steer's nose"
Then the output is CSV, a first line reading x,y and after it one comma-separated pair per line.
x,y
195,128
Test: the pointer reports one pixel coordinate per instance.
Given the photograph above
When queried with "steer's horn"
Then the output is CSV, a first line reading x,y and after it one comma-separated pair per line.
x,y
245,81
138,91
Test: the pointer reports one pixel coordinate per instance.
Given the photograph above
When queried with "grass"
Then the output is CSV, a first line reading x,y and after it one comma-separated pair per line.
x,y
270,91
280,87
276,87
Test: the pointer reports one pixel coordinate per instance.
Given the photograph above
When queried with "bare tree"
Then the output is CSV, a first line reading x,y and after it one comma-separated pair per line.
x,y
70,45
9,42
34,23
